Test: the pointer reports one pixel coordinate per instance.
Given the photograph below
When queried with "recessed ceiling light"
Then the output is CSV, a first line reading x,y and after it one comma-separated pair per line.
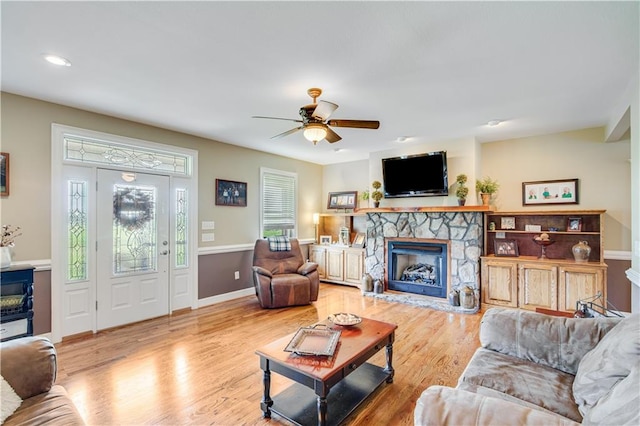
x,y
337,150
401,139
493,123
57,60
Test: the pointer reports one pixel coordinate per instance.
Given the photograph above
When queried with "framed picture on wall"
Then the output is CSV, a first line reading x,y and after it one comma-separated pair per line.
x,y
563,191
231,193
342,200
4,173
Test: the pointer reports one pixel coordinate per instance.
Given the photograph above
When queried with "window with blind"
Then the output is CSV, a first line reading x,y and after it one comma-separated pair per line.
x,y
278,203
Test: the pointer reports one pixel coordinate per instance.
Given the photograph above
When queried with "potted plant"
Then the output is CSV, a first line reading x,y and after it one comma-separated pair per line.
x,y
486,187
376,195
461,190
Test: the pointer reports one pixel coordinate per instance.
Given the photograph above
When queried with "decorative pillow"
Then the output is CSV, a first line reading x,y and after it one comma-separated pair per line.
x,y
279,243
620,406
10,400
608,363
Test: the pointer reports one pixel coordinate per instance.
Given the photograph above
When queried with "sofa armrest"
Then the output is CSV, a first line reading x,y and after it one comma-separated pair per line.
x,y
556,342
439,405
262,271
307,268
29,365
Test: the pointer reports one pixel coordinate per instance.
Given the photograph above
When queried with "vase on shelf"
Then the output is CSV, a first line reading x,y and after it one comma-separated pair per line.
x,y
486,198
376,204
581,251
5,257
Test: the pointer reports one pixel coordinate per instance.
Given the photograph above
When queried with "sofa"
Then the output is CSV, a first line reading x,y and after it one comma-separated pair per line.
x,y
533,368
29,395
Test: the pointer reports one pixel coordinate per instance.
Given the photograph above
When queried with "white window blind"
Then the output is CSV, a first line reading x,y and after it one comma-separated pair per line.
x,y
278,213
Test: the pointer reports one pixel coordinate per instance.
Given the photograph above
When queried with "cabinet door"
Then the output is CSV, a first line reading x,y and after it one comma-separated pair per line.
x,y
499,283
335,264
353,265
317,255
580,282
537,286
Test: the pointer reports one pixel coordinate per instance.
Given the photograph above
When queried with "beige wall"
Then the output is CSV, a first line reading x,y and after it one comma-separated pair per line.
x,y
26,135
603,169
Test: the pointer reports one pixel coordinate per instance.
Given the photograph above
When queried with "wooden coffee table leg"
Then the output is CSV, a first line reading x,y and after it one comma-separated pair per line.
x,y
266,402
322,410
389,367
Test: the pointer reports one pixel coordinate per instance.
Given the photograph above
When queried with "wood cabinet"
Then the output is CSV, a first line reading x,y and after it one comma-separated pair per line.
x,y
338,264
499,284
528,281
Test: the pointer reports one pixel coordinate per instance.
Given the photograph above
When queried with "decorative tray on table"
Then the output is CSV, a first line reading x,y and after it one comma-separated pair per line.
x,y
345,319
314,340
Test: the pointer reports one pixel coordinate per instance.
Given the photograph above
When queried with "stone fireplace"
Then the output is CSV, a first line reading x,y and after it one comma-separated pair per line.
x,y
454,237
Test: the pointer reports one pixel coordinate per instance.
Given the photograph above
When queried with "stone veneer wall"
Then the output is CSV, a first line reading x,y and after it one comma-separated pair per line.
x,y
464,230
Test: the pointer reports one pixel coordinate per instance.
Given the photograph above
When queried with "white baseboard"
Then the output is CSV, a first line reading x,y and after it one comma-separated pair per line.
x,y
225,297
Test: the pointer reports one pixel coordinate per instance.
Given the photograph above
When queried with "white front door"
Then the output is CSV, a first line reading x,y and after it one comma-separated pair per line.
x,y
132,247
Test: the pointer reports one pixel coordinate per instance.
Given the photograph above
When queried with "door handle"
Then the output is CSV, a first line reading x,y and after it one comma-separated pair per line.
x,y
164,252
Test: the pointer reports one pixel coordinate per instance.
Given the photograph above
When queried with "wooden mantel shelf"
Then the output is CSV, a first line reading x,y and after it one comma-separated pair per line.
x,y
483,209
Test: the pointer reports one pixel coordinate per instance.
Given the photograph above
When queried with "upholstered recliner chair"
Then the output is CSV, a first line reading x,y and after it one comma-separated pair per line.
x,y
281,276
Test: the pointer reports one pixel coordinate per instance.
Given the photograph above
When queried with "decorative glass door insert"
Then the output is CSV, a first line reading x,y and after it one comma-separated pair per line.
x,y
135,246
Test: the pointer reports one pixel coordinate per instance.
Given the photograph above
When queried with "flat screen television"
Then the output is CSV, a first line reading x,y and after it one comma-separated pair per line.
x,y
421,175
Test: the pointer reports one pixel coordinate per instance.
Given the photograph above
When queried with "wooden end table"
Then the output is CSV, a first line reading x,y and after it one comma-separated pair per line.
x,y
347,374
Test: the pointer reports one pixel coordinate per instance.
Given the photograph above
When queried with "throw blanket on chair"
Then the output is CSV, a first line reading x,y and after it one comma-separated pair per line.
x,y
279,243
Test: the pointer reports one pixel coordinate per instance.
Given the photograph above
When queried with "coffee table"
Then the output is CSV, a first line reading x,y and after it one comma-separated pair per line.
x,y
328,388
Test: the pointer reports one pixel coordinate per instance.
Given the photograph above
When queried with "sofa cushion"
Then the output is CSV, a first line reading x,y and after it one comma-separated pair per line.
x,y
49,408
533,383
620,405
10,400
441,406
553,341
608,363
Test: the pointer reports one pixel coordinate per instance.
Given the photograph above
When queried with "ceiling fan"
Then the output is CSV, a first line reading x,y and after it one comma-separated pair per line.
x,y
315,120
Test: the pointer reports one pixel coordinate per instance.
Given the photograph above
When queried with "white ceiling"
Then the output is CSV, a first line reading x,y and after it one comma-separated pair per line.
x,y
429,71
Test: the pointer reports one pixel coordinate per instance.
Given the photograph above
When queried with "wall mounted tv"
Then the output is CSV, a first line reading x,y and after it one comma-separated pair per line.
x,y
421,175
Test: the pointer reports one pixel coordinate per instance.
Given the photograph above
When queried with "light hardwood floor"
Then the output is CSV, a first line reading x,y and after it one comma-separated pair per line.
x,y
200,367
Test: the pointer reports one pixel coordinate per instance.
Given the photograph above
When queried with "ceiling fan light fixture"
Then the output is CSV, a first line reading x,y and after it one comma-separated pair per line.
x,y
315,132
57,60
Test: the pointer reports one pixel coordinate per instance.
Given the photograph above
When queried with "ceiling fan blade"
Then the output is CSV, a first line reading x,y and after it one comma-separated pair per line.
x,y
332,136
287,133
358,124
324,110
277,118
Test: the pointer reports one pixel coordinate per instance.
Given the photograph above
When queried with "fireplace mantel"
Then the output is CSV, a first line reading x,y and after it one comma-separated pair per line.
x,y
481,209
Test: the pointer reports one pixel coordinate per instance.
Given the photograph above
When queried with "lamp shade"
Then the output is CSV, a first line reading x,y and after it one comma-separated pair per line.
x,y
315,132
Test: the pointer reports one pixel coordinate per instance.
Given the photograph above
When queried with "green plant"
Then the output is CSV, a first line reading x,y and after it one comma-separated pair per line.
x,y
376,195
461,190
364,195
461,179
487,185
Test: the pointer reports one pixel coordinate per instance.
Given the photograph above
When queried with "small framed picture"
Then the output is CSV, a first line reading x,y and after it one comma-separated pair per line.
x,y
507,222
4,173
342,200
358,240
325,239
230,193
507,248
574,224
